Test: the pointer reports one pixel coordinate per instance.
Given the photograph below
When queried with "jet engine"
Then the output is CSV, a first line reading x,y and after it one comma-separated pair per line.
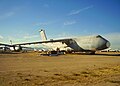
x,y
16,48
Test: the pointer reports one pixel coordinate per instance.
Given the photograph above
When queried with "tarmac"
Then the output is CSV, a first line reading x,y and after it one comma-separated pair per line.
x,y
32,69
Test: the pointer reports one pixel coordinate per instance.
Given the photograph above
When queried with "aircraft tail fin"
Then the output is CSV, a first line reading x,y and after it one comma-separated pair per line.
x,y
43,35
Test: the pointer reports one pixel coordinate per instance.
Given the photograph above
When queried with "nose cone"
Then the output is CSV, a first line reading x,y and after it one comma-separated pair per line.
x,y
107,44
103,43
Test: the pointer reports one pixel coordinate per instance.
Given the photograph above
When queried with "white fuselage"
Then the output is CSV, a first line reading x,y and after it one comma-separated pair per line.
x,y
86,43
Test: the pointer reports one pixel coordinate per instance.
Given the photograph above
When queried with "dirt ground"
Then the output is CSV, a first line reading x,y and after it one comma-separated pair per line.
x,y
31,69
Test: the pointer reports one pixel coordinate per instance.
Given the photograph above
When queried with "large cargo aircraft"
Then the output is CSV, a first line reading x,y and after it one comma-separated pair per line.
x,y
78,44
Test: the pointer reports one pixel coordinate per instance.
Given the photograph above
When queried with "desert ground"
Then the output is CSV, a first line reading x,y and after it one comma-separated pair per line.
x,y
32,69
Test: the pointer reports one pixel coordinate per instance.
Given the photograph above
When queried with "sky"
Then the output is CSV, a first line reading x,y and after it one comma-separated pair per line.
x,y
21,20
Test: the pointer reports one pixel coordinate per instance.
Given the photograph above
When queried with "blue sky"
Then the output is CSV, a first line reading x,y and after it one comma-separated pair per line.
x,y
20,20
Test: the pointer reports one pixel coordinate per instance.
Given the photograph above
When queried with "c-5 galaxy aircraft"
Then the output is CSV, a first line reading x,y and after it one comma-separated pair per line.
x,y
78,44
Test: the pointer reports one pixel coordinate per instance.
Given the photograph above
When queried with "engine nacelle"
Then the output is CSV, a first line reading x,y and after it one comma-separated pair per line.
x,y
16,48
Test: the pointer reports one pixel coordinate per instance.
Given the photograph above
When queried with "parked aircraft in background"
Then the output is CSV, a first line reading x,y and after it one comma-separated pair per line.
x,y
7,47
110,50
4,48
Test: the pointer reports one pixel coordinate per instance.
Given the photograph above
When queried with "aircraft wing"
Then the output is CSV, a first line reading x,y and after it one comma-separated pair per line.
x,y
5,44
49,41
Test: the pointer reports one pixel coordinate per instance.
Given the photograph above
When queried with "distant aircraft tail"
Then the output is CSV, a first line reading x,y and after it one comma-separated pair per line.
x,y
43,35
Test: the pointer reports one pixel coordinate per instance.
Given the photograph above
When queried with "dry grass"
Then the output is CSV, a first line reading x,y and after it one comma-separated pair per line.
x,y
30,69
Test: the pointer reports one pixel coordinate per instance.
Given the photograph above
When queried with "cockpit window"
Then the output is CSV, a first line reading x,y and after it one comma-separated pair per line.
x,y
98,36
